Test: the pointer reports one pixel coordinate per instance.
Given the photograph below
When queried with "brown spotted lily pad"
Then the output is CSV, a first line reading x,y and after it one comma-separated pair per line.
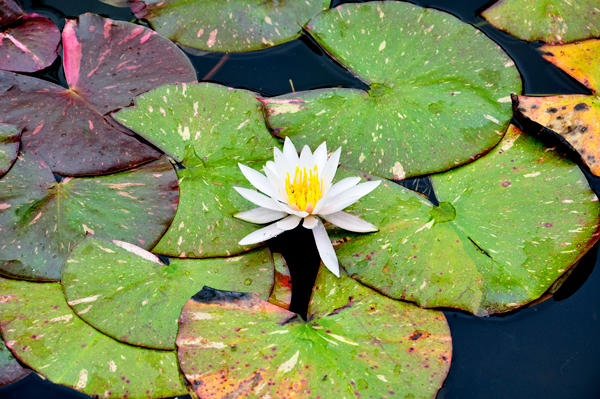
x,y
551,21
438,98
508,225
29,45
233,25
357,343
41,220
106,64
576,118
10,138
10,369
46,335
129,294
282,287
10,11
210,129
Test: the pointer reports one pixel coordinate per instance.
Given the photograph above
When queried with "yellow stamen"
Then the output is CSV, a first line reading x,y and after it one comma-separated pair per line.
x,y
305,190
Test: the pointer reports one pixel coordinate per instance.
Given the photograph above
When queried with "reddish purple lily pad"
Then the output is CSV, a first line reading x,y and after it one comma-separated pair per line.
x,y
10,11
109,62
10,369
10,137
30,45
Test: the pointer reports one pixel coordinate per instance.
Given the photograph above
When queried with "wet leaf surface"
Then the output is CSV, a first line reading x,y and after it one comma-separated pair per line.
x,y
576,118
30,45
130,295
10,369
210,128
282,288
10,11
439,91
41,220
550,21
10,139
508,225
356,343
45,334
236,25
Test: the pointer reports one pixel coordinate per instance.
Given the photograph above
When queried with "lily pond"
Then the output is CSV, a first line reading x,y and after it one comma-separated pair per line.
x,y
451,254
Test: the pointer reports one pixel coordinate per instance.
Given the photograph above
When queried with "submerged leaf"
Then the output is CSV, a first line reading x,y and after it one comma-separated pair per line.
x,y
508,225
356,341
130,295
45,334
10,369
282,287
551,21
41,220
10,138
439,91
234,25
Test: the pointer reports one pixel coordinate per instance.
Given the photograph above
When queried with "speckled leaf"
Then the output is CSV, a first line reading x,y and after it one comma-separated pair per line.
x,y
357,343
10,369
10,11
439,91
70,135
581,60
41,220
508,225
574,117
130,295
10,138
210,128
551,21
235,25
30,45
282,288
110,62
45,334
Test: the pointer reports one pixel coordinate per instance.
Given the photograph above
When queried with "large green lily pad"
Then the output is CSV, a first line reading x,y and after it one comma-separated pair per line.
x,y
357,343
210,128
129,294
45,334
41,220
10,369
439,91
508,225
236,25
551,21
10,139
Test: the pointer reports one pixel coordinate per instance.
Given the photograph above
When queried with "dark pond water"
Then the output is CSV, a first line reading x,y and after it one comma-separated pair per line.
x,y
549,350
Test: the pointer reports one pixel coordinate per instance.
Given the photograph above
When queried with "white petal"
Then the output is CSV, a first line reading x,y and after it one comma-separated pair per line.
x,y
330,169
261,235
260,215
310,222
259,181
306,159
348,197
258,199
289,222
277,182
326,251
320,157
289,150
336,189
350,222
282,166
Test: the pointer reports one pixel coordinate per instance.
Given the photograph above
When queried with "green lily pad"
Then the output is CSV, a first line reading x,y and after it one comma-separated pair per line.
x,y
129,294
236,25
10,369
508,225
45,334
41,220
10,139
357,343
282,286
551,21
210,128
439,91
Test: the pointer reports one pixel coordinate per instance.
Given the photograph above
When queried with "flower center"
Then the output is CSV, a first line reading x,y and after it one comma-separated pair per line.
x,y
305,190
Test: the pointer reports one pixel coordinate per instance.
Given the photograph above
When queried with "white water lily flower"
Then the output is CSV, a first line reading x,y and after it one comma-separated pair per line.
x,y
298,188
